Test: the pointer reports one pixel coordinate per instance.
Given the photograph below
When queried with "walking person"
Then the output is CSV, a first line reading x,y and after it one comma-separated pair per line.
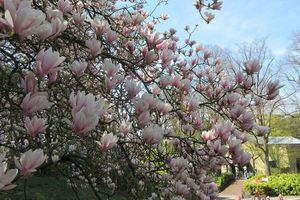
x,y
257,195
280,197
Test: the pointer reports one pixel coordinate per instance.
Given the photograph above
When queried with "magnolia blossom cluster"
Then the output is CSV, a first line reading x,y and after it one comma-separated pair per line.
x,y
29,161
86,112
23,20
117,104
27,164
34,101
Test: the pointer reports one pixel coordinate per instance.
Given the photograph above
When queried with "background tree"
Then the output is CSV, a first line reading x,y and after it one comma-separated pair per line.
x,y
256,57
293,75
285,125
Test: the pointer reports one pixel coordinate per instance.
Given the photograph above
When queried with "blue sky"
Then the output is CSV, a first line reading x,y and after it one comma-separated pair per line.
x,y
238,21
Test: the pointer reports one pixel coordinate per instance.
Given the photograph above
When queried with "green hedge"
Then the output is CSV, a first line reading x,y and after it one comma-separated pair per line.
x,y
224,180
288,184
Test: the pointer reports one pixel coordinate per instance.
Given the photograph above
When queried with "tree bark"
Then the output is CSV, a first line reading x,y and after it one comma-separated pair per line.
x,y
266,157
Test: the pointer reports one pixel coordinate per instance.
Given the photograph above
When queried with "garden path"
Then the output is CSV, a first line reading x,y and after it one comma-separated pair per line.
x,y
232,191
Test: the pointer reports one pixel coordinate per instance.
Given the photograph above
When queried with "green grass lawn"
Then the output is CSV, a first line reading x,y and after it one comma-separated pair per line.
x,y
48,188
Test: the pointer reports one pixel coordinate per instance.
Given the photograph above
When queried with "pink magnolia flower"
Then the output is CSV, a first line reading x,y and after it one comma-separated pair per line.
x,y
64,6
141,106
252,66
35,126
44,31
108,141
86,112
109,67
164,108
78,18
200,74
29,84
258,101
29,161
166,56
53,14
101,27
179,164
94,46
155,39
130,46
248,83
208,17
231,99
207,54
212,187
144,119
47,61
247,121
132,88
125,127
57,27
224,130
273,89
110,83
244,137
194,61
150,57
35,102
110,36
197,122
200,194
237,111
181,188
152,134
165,81
226,84
78,67
164,45
192,184
192,103
218,147
84,121
81,100
198,48
6,176
216,5
262,130
234,145
176,81
239,77
147,99
137,19
243,158
209,135
22,19
185,85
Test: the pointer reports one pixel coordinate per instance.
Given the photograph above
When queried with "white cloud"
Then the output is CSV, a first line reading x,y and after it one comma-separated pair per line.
x,y
279,52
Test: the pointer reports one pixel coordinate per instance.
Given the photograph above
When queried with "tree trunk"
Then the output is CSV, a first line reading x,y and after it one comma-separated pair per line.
x,y
232,167
266,157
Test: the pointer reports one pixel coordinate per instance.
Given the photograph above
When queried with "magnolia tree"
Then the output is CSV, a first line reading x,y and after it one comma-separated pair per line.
x,y
91,89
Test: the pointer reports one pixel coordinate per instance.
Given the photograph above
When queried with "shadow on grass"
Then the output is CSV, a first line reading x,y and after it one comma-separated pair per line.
x,y
49,188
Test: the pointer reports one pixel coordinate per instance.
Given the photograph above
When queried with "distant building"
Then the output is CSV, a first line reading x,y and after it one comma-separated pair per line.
x,y
284,155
